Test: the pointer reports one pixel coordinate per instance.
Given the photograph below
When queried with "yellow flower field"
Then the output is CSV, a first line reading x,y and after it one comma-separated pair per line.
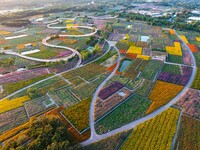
x,y
162,93
156,133
198,39
172,32
3,32
184,39
6,104
69,21
176,50
145,57
134,50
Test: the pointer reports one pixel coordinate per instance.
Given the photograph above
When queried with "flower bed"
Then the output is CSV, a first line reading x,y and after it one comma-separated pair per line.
x,y
162,93
151,69
12,119
188,134
111,89
78,114
156,133
196,82
145,89
187,58
177,78
189,103
133,108
193,48
102,107
6,105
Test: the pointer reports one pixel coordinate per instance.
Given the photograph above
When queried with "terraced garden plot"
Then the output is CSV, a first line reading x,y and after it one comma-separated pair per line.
x,y
87,89
151,69
13,118
188,134
87,72
64,97
36,106
145,88
141,66
76,81
175,69
162,93
102,107
134,107
78,114
156,133
187,58
45,54
180,79
190,103
175,59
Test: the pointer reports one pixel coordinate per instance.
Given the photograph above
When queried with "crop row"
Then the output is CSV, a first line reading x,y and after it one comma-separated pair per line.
x,y
156,133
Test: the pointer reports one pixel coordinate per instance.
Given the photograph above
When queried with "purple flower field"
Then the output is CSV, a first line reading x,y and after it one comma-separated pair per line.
x,y
111,89
177,78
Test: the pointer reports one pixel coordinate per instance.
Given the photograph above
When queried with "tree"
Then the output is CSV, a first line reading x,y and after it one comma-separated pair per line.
x,y
97,48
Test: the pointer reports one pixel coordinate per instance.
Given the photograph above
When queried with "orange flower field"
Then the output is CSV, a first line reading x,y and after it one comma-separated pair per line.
x,y
162,93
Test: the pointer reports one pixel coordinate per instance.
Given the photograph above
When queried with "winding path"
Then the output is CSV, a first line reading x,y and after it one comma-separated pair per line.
x,y
95,137
44,42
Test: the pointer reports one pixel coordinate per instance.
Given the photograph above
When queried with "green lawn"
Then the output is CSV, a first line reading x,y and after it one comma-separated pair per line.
x,y
175,69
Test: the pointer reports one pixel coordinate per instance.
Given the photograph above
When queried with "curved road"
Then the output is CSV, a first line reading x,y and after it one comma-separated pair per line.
x,y
95,137
44,41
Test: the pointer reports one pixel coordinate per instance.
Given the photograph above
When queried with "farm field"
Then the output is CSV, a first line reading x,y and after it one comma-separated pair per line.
x,y
36,106
156,133
197,58
145,89
104,106
87,72
162,93
151,69
134,107
111,143
174,69
188,134
189,103
78,114
12,119
180,79
175,59
63,97
196,83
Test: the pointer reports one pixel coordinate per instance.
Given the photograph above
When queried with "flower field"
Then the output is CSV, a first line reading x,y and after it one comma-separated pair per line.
x,y
176,50
134,107
6,105
154,134
102,107
132,73
22,75
180,79
145,89
151,69
198,39
193,48
188,135
87,72
36,106
174,69
196,83
134,50
189,103
86,90
183,37
12,87
78,114
64,97
3,32
13,118
187,58
162,93
111,89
